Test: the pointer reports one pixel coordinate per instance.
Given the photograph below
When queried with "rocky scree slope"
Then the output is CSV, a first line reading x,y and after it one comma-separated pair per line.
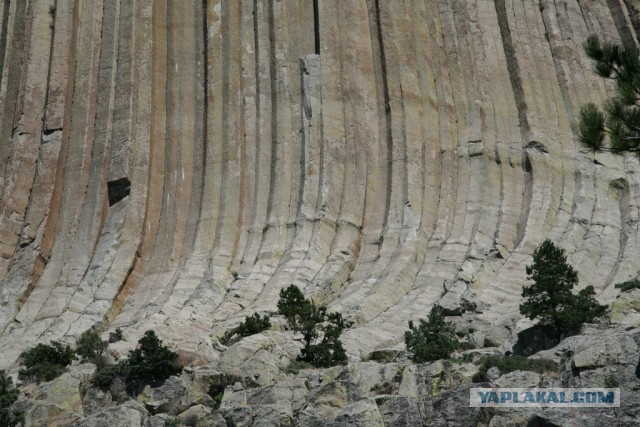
x,y
258,390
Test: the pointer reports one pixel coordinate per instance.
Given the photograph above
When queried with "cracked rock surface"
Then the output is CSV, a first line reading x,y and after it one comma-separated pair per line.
x,y
381,155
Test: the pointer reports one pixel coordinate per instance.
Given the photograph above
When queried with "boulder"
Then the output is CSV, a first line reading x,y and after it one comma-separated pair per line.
x,y
167,398
625,310
608,349
399,410
519,379
450,408
262,356
195,415
59,401
328,400
363,413
96,400
290,392
129,414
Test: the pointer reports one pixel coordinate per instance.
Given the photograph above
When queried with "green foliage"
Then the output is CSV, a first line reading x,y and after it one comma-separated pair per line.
x,y
550,298
508,364
383,355
591,126
628,285
89,346
321,330
106,375
611,381
296,366
385,388
432,339
8,395
152,361
218,384
172,422
252,325
465,358
116,336
620,119
293,305
45,362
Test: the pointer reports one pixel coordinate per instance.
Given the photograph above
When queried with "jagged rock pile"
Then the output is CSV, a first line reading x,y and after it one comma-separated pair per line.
x,y
372,393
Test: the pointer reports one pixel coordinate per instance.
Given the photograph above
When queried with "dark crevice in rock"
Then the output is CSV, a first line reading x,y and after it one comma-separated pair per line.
x,y
527,197
3,33
537,421
536,338
18,47
617,9
512,66
316,26
47,132
52,28
621,187
538,146
381,79
273,81
118,190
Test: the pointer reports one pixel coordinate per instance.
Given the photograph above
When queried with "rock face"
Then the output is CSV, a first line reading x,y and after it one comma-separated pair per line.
x,y
174,164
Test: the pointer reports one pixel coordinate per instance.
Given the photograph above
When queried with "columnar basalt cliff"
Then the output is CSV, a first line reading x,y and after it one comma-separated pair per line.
x,y
172,164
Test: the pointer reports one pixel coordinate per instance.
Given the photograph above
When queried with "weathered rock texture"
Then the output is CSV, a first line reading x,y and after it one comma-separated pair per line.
x,y
381,155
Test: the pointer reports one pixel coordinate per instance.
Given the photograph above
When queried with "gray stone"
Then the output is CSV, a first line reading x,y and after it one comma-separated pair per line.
x,y
399,410
450,408
609,349
130,414
195,415
58,401
523,379
363,413
166,398
493,373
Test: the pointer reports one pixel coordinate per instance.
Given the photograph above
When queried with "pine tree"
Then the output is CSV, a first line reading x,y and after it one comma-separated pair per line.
x,y
620,118
45,362
320,329
433,339
152,361
8,395
550,298
89,346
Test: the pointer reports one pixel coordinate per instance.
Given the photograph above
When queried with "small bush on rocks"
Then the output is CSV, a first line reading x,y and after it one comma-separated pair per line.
x,y
296,366
611,381
116,336
321,330
89,346
433,339
218,384
45,362
252,325
628,285
151,361
105,376
8,395
508,364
